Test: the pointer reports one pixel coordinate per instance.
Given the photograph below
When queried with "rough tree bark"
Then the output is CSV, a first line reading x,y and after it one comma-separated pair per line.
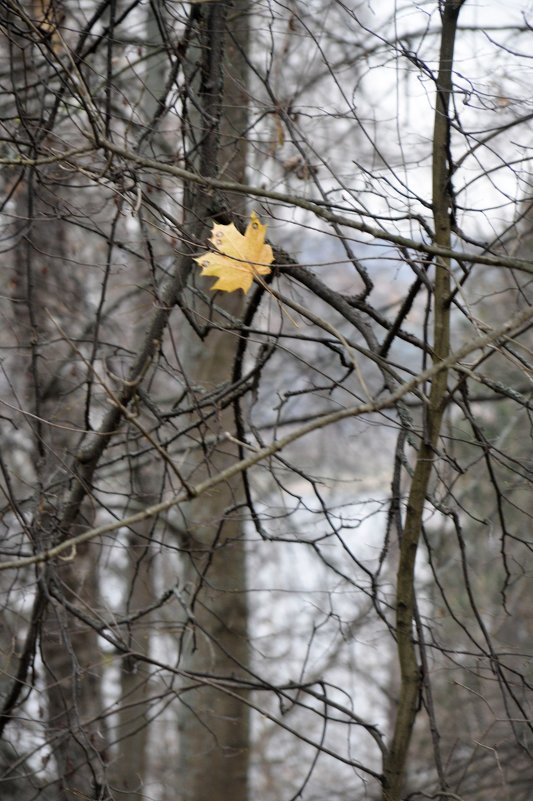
x,y
48,298
46,292
214,726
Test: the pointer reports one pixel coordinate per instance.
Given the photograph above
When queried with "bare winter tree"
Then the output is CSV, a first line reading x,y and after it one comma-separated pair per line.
x,y
266,513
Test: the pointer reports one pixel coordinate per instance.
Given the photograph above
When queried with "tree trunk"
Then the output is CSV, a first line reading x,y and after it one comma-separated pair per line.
x,y
49,298
68,648
129,769
214,725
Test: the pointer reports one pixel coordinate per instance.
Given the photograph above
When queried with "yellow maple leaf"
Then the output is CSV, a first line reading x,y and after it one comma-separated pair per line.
x,y
238,257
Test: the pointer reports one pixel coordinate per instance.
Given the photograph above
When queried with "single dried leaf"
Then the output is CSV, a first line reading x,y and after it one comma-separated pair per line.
x,y
238,257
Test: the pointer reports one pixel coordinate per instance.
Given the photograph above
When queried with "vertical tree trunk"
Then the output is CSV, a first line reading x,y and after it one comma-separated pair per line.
x,y
214,726
49,298
129,769
69,649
